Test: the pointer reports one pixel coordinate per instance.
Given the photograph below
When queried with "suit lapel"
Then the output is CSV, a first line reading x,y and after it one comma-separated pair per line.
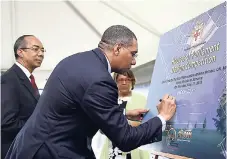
x,y
25,81
28,85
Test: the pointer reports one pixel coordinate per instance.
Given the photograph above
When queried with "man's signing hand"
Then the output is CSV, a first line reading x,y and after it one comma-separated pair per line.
x,y
167,107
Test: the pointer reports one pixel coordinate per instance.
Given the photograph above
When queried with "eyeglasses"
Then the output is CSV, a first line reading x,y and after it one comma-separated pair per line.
x,y
124,80
134,53
35,49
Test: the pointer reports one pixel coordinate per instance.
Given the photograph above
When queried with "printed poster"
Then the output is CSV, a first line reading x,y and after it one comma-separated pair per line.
x,y
191,65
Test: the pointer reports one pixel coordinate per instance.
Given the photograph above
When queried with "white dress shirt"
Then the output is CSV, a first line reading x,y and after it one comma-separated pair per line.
x,y
27,73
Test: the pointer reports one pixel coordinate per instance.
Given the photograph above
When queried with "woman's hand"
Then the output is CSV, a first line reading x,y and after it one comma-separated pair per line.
x,y
136,114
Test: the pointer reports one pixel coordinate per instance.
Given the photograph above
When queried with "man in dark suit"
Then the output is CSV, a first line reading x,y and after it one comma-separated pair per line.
x,y
81,97
19,91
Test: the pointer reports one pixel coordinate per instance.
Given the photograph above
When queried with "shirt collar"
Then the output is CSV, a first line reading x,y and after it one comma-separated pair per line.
x,y
109,67
27,73
123,99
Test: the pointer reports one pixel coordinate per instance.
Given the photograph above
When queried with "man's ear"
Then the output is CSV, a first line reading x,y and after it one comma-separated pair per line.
x,y
20,53
116,49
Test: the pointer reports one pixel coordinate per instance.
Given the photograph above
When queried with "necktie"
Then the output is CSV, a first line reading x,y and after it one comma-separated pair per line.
x,y
34,84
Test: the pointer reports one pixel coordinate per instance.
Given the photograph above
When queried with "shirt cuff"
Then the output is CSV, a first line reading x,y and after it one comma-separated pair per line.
x,y
124,111
163,122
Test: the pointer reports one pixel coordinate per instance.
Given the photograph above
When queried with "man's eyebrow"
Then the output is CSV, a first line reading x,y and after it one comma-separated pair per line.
x,y
38,46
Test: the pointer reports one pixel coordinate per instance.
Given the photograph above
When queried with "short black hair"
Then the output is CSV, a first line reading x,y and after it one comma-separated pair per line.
x,y
118,34
20,42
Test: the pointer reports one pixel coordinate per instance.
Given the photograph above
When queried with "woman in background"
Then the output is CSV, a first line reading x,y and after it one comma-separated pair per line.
x,y
128,100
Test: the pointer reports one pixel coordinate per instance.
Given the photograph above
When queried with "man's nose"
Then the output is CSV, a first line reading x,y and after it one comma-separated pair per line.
x,y
41,53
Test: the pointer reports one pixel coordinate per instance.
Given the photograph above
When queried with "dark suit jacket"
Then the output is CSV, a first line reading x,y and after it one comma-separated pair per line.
x,y
79,98
17,104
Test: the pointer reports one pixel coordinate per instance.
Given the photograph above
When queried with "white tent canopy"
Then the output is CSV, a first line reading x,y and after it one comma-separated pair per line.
x,y
68,27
